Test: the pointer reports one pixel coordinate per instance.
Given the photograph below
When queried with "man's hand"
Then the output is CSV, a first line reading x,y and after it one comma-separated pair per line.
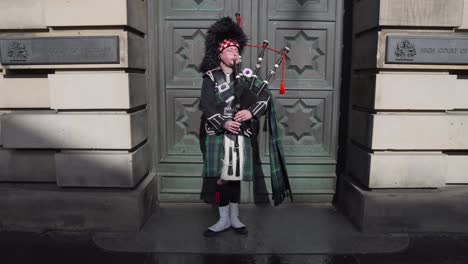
x,y
220,182
232,126
243,115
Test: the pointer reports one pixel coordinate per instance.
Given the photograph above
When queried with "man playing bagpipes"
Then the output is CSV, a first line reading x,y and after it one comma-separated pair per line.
x,y
232,102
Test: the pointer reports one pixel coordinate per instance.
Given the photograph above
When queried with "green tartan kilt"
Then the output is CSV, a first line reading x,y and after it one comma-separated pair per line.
x,y
214,154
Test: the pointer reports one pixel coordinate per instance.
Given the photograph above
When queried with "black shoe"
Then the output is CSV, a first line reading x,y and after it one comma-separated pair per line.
x,y
211,233
241,230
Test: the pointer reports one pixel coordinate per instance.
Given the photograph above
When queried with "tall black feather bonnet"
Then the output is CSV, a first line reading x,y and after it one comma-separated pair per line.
x,y
223,29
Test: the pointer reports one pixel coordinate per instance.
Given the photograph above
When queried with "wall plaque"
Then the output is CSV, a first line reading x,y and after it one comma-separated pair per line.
x,y
441,50
60,50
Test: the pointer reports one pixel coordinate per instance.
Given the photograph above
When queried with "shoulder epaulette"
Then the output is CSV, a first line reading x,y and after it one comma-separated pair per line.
x,y
210,73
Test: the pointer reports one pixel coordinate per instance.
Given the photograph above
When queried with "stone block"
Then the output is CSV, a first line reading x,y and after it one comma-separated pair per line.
x,y
410,131
464,24
360,127
137,14
105,130
132,47
457,168
24,92
102,168
365,50
365,15
27,166
405,210
132,13
387,169
97,90
22,14
137,52
407,13
2,114
410,91
49,207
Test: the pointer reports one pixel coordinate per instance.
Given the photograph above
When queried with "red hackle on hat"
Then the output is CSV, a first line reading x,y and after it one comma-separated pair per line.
x,y
239,19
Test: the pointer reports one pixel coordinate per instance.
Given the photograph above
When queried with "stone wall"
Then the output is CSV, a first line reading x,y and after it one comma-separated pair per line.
x,y
80,125
408,120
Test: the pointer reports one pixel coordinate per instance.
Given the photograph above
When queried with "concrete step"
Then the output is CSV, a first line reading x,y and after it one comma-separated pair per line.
x,y
405,210
46,206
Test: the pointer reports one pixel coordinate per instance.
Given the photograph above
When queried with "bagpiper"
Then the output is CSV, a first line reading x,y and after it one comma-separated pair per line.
x,y
232,102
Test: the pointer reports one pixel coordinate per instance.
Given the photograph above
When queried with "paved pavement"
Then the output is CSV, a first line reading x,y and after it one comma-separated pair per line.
x,y
311,234
287,229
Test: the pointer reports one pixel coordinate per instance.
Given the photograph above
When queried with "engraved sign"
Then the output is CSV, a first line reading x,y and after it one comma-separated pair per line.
x,y
438,50
60,50
405,50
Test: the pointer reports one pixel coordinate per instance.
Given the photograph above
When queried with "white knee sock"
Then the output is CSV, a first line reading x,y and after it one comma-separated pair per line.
x,y
234,215
224,221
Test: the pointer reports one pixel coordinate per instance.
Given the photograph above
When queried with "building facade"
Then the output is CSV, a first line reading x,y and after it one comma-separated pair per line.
x,y
99,108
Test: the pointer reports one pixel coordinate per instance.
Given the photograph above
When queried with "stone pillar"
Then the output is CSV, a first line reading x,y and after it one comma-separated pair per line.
x,y
73,100
407,142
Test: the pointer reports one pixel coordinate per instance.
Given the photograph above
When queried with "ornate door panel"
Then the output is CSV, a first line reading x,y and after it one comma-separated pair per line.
x,y
307,113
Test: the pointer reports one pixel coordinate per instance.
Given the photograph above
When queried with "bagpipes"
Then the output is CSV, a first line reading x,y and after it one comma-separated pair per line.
x,y
253,75
280,185
249,90
248,85
257,84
